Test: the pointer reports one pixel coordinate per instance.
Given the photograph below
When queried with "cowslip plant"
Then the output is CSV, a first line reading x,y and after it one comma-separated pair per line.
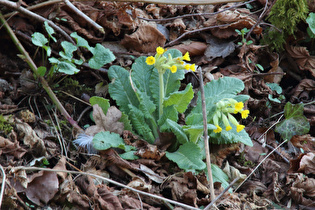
x,y
66,63
149,95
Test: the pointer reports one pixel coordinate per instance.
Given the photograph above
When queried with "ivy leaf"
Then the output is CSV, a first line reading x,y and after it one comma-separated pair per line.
x,y
178,131
187,157
295,123
180,99
120,88
105,140
102,102
101,56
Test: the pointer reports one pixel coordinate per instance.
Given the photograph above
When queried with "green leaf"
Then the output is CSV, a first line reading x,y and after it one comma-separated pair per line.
x,y
226,87
231,136
140,125
141,74
41,70
48,50
50,31
180,99
68,48
187,157
127,124
101,56
311,21
295,123
168,113
273,99
196,131
129,155
120,89
146,105
81,42
218,175
275,87
39,39
178,131
105,140
102,102
64,66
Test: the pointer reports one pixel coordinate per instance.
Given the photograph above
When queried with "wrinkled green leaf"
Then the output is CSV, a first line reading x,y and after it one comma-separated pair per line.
x,y
196,131
180,99
178,131
101,56
187,157
219,176
120,89
168,113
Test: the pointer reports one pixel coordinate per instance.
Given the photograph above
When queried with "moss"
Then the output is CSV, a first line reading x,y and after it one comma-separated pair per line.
x,y
5,126
285,15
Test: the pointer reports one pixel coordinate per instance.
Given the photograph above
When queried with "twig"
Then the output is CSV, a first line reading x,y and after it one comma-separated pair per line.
x,y
222,193
2,185
179,2
87,18
258,20
24,11
198,14
44,83
260,164
206,137
195,31
14,169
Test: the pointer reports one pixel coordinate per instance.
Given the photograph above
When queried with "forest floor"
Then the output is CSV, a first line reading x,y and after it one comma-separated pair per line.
x,y
44,169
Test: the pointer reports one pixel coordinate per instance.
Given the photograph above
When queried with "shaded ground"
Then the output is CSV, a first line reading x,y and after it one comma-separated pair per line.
x,y
34,133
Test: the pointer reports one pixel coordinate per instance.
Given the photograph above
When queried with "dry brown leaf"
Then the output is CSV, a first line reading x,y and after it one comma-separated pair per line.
x,y
302,58
307,164
151,174
306,142
303,89
139,184
218,48
274,78
145,40
8,147
148,151
42,187
194,48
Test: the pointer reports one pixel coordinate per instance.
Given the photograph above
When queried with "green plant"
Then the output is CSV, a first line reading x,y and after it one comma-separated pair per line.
x,y
285,15
149,95
66,63
242,33
5,125
295,122
274,87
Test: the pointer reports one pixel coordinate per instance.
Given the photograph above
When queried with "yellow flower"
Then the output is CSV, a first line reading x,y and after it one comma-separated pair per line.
x,y
218,130
187,67
245,114
186,57
239,128
150,60
192,67
159,50
238,106
228,128
173,69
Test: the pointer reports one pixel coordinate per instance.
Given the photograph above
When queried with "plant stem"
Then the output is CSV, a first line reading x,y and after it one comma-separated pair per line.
x,y
206,137
161,94
44,83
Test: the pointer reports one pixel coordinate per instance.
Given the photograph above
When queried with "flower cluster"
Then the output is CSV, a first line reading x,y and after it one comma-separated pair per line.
x,y
162,63
223,112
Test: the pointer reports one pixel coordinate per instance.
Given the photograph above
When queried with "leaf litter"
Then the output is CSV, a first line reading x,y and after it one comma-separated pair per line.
x,y
285,179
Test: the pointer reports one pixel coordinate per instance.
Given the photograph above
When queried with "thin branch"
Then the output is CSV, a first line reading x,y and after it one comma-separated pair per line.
x,y
14,169
87,18
2,185
221,194
260,164
179,2
44,83
198,14
195,31
35,16
206,137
